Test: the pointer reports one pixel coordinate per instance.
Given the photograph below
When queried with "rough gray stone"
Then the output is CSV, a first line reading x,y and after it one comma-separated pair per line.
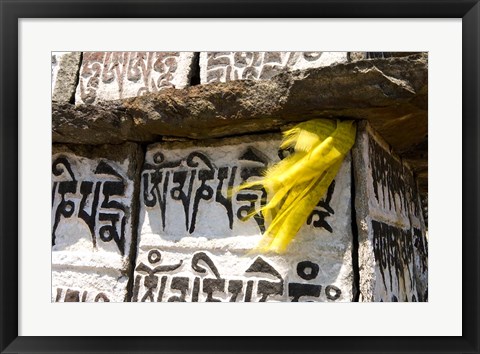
x,y
390,93
105,123
66,77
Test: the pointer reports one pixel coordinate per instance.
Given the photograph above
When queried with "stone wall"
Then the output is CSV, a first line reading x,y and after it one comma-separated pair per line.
x,y
151,221
228,66
104,76
94,219
393,247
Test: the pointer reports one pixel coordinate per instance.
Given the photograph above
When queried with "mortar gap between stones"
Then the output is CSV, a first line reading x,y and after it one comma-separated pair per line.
x,y
355,242
142,149
195,70
77,79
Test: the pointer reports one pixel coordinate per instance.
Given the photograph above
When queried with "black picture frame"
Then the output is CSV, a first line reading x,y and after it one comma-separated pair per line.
x,y
12,11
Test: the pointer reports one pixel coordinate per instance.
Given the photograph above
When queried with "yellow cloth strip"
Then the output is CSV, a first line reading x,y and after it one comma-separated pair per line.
x,y
297,183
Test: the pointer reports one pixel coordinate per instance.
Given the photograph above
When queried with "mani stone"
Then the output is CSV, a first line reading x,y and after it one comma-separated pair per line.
x,y
65,67
393,245
229,66
195,243
93,213
106,76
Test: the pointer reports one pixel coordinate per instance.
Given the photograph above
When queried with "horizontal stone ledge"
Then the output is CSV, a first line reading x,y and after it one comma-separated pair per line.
x,y
390,93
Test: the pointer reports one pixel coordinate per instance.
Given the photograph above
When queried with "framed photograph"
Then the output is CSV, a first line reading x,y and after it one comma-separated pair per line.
x,y
269,192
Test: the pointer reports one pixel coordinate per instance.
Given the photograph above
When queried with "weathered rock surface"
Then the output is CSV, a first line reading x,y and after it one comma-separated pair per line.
x,y
390,93
65,68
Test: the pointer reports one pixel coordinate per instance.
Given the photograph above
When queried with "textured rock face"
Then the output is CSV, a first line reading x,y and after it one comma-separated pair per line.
x,y
106,76
228,66
65,67
390,93
393,248
194,242
93,213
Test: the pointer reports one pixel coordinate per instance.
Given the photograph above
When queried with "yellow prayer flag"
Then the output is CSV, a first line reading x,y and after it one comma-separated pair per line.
x,y
296,184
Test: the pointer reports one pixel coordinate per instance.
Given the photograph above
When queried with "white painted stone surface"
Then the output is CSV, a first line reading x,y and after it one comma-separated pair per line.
x,y
195,246
228,66
88,285
108,76
393,249
92,222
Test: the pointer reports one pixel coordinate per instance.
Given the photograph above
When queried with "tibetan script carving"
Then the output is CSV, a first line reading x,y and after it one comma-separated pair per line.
x,y
116,75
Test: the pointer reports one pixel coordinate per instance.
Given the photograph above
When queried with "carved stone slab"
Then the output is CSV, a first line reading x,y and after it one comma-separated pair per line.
x,y
108,76
393,247
195,244
93,210
228,66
